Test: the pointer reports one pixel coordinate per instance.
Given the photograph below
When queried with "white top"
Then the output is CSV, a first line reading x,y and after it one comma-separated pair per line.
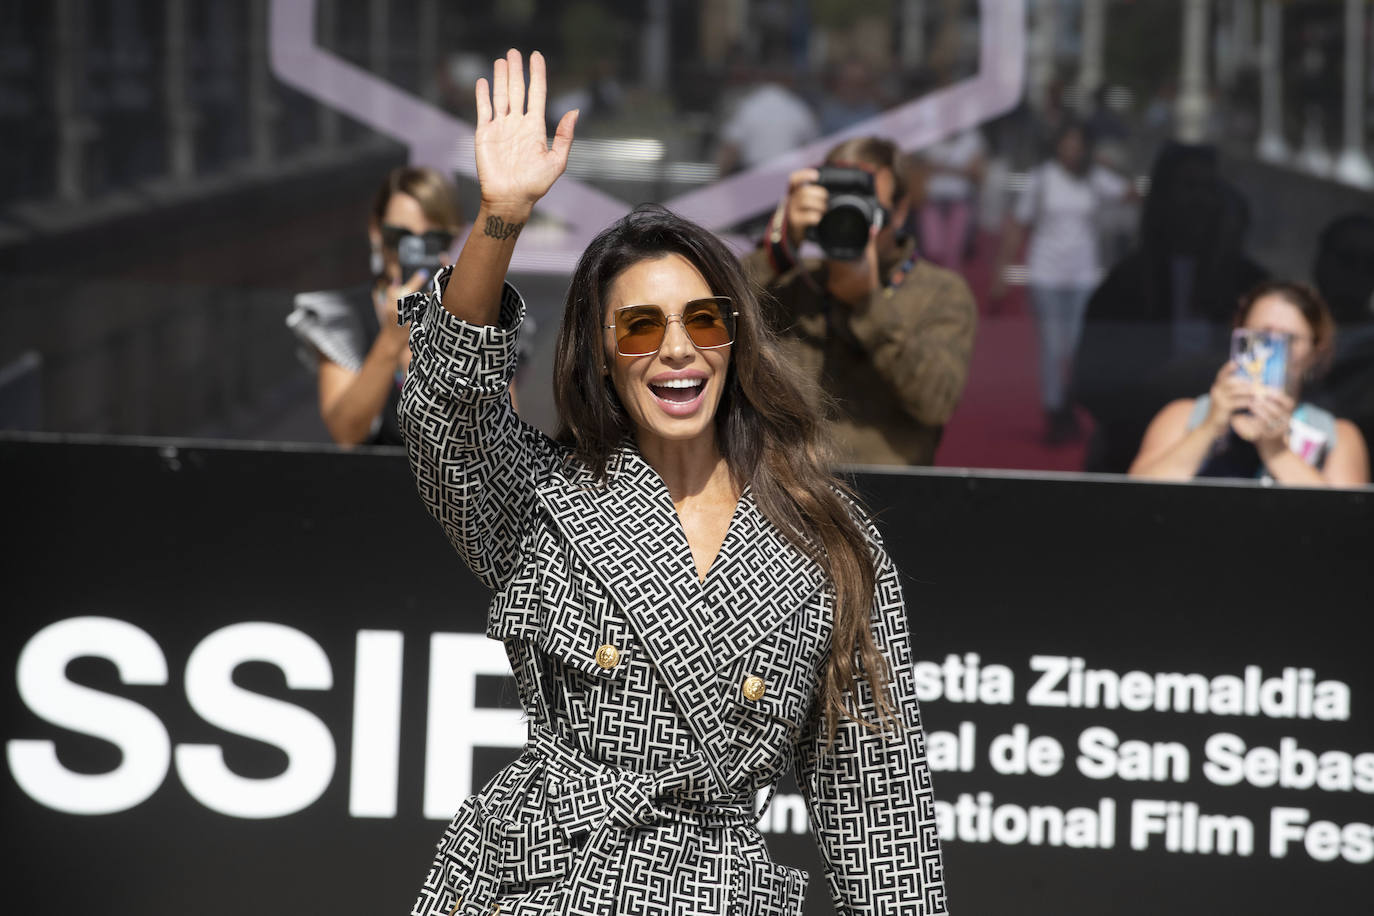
x,y
1061,209
956,152
768,122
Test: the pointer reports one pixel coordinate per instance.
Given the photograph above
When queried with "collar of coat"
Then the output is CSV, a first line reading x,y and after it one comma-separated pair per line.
x,y
627,532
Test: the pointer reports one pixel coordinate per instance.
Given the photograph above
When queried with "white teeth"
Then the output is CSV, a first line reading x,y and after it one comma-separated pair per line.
x,y
679,383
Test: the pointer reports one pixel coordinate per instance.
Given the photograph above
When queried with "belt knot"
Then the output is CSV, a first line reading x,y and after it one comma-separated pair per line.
x,y
584,793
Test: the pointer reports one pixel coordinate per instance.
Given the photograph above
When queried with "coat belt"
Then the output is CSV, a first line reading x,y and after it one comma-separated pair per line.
x,y
585,794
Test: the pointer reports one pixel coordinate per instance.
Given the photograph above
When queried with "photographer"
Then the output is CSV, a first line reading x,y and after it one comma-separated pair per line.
x,y
886,334
350,337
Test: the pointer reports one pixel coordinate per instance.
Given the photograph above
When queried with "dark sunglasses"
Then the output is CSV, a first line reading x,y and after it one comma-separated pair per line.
x,y
709,323
436,240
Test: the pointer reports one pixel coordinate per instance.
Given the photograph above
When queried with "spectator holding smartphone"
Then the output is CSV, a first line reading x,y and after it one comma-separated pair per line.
x,y
350,337
1245,428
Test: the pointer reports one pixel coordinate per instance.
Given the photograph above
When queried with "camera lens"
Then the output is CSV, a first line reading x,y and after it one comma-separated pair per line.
x,y
414,254
843,231
411,249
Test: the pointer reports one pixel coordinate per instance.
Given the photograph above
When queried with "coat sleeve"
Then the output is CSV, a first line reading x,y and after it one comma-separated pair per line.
x,y
475,463
869,793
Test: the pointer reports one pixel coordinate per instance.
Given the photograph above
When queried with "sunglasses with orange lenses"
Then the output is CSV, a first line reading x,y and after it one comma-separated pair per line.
x,y
709,323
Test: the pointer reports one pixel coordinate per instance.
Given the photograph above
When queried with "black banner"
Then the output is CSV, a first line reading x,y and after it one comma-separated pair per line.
x,y
253,680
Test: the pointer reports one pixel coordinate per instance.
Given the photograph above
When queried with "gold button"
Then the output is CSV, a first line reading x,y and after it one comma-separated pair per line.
x,y
608,656
753,687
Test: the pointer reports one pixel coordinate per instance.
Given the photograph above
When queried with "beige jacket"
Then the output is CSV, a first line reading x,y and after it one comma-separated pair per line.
x,y
895,367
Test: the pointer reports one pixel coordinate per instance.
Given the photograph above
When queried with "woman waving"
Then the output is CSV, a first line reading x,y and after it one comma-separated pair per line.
x,y
690,602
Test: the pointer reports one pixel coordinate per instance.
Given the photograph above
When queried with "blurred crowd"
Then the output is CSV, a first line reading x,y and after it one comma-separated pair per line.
x,y
1143,296
1123,270
1130,252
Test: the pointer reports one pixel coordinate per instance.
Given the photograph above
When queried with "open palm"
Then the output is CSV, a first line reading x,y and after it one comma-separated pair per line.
x,y
515,163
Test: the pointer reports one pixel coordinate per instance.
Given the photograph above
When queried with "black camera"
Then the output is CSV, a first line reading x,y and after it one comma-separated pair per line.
x,y
851,212
421,252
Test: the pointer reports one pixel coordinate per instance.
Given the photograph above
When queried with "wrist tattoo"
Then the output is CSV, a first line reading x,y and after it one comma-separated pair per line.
x,y
497,228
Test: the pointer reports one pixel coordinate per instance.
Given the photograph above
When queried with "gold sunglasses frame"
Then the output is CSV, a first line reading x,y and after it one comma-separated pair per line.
x,y
726,311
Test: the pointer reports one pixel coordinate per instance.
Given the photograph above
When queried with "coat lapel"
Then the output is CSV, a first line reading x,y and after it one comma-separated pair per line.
x,y
628,534
759,580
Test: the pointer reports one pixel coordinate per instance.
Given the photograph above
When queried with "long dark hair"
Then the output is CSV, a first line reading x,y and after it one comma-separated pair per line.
x,y
770,438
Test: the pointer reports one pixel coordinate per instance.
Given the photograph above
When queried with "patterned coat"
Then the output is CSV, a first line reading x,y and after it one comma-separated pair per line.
x,y
658,705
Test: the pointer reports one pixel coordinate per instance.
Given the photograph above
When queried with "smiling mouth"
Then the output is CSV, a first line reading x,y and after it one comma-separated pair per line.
x,y
679,391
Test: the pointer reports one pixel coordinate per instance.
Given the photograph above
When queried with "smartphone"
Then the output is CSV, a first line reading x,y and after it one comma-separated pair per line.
x,y
1261,356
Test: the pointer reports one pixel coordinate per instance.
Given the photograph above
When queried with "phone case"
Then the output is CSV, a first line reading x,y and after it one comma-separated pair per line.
x,y
1261,356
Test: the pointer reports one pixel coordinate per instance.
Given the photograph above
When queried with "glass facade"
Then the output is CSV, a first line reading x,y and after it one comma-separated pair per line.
x,y
174,171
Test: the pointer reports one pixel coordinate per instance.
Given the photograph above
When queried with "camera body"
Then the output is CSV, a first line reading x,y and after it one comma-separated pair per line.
x,y
851,212
419,252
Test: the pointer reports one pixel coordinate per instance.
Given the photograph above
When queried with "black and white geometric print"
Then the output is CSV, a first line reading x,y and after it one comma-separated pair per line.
x,y
659,705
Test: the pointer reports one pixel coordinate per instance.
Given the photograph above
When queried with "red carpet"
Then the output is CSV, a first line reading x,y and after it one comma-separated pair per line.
x,y
999,423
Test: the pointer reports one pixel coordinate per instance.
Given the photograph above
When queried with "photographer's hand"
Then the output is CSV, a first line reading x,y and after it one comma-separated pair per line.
x,y
804,204
385,299
396,337
852,282
350,401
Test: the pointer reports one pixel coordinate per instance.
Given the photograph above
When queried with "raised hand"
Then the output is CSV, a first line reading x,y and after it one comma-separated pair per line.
x,y
515,167
397,337
515,164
